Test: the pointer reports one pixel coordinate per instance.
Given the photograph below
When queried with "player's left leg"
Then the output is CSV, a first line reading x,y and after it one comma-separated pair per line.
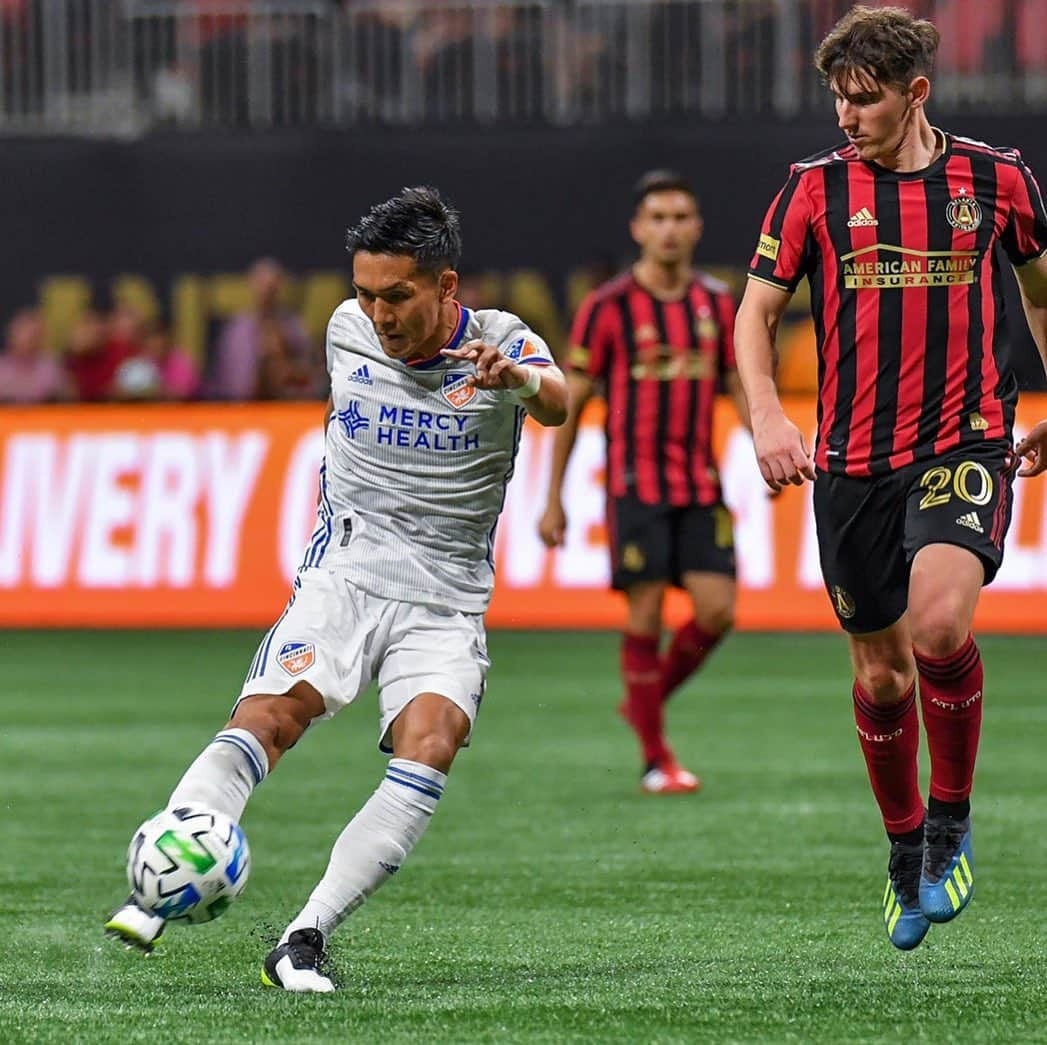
x,y
431,682
373,846
957,513
944,587
704,565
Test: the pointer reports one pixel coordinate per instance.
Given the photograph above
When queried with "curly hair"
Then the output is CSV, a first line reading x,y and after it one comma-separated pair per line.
x,y
887,44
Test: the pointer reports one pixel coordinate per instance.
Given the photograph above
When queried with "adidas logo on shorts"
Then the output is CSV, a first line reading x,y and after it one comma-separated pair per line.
x,y
361,375
862,219
971,521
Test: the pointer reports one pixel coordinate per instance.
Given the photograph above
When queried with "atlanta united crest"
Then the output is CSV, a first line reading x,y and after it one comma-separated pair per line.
x,y
295,657
457,390
843,602
964,212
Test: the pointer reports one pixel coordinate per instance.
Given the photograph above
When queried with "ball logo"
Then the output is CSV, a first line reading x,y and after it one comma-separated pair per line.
x,y
296,657
457,391
964,212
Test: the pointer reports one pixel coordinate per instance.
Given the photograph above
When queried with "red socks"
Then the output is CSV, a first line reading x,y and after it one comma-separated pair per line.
x,y
687,652
890,738
951,701
642,672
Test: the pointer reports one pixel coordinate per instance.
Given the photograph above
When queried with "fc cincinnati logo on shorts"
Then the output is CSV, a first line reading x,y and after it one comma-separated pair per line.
x,y
457,391
964,212
295,657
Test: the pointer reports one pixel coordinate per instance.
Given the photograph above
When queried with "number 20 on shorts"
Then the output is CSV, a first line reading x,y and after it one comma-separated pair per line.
x,y
971,482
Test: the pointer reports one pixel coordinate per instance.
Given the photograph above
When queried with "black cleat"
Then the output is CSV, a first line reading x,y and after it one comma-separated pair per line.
x,y
297,965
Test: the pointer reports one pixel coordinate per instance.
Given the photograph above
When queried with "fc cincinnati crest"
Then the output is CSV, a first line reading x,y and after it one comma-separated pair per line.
x,y
964,212
295,657
457,391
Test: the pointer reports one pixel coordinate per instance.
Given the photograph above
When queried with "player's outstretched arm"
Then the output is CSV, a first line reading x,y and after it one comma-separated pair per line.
x,y
1032,281
781,450
540,390
552,526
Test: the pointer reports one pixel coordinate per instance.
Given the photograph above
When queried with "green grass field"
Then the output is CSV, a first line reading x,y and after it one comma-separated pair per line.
x,y
550,901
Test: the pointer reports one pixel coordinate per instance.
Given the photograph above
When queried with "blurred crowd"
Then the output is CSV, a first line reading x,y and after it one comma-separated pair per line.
x,y
245,63
261,353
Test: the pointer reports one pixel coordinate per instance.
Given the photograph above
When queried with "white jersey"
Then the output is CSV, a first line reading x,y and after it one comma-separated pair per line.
x,y
416,463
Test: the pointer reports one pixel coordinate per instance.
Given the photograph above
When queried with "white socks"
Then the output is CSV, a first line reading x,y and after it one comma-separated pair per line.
x,y
224,774
373,845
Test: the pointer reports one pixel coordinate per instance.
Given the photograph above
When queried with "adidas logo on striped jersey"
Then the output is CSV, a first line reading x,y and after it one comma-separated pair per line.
x,y
862,219
361,375
971,521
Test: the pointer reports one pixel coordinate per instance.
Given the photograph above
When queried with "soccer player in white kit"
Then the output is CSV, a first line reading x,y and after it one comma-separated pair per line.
x,y
427,403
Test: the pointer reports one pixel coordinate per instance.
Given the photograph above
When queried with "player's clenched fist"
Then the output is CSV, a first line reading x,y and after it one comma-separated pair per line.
x,y
493,369
1034,449
553,525
782,453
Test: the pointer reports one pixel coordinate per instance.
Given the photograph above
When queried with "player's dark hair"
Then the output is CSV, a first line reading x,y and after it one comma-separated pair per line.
x,y
661,180
885,43
418,223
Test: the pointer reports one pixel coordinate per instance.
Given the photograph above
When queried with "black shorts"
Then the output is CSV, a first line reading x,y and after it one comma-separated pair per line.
x,y
660,542
869,530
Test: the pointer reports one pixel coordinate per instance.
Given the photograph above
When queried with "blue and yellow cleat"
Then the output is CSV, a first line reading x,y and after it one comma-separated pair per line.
x,y
947,879
905,923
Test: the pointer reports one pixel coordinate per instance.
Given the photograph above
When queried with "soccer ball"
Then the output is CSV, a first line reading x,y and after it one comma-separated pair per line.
x,y
189,863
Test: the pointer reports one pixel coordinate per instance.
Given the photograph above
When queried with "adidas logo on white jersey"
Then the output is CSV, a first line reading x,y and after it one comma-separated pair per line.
x,y
971,521
361,375
861,219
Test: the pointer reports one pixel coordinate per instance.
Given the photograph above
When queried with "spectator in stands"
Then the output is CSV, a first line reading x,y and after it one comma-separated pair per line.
x,y
160,369
281,373
28,372
178,369
247,339
97,348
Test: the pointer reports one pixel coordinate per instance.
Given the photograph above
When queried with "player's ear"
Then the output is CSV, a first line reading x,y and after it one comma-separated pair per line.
x,y
919,92
448,284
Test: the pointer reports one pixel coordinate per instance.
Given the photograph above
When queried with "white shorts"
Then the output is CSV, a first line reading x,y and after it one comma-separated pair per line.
x,y
338,639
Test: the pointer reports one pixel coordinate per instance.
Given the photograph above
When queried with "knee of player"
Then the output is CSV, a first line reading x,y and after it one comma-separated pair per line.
x,y
885,682
716,620
939,632
435,748
277,721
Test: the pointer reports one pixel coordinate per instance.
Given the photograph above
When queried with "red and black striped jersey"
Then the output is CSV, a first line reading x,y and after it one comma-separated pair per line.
x,y
660,363
906,297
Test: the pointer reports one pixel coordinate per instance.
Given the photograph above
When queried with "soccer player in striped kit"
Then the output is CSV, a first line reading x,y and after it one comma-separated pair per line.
x,y
657,342
428,398
896,230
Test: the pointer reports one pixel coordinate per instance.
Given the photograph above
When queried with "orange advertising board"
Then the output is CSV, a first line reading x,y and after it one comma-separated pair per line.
x,y
159,516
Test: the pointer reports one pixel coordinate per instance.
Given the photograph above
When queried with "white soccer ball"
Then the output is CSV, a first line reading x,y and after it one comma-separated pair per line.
x,y
189,863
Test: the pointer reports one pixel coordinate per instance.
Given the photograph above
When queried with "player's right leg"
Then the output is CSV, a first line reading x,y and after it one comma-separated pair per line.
x,y
279,698
859,526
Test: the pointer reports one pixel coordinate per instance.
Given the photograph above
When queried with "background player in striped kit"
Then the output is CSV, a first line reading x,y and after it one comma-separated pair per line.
x,y
427,401
657,341
897,230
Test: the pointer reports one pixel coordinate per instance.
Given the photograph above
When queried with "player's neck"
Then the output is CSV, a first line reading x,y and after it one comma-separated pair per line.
x,y
665,282
450,313
920,145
